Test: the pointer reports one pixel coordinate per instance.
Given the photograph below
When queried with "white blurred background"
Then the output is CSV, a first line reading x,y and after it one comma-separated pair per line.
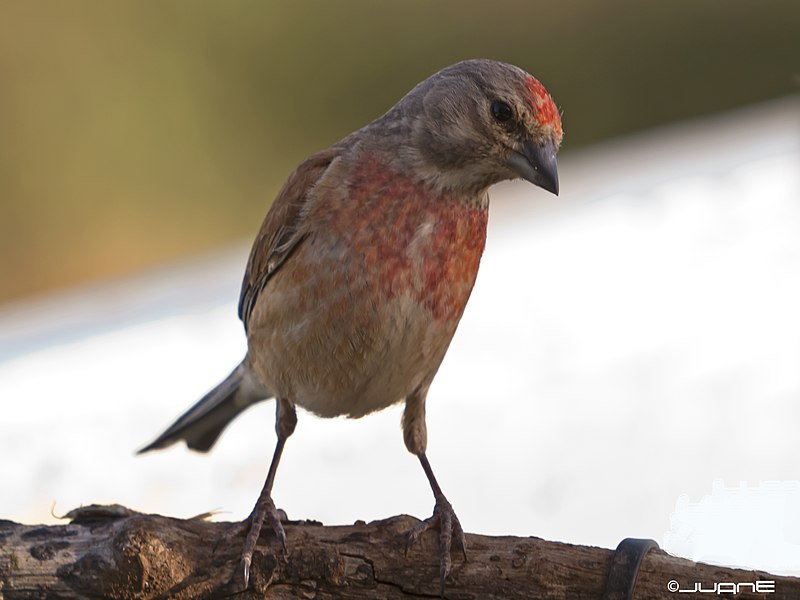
x,y
628,366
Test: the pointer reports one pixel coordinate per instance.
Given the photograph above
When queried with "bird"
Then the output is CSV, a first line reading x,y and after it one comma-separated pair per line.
x,y
364,263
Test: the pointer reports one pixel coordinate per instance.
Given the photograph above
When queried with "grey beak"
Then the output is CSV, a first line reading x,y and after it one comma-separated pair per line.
x,y
537,164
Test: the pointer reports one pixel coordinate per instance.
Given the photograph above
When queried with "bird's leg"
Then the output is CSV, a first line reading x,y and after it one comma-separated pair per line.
x,y
285,421
264,510
444,517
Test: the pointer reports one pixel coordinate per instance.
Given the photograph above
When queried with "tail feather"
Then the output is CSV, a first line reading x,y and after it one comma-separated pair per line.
x,y
202,424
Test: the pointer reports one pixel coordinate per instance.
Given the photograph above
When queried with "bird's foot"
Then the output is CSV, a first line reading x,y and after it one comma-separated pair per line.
x,y
264,511
444,517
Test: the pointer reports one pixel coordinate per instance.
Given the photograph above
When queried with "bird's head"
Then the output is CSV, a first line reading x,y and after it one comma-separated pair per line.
x,y
480,122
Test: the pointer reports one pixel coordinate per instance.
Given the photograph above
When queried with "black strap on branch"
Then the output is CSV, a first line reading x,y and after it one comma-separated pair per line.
x,y
625,567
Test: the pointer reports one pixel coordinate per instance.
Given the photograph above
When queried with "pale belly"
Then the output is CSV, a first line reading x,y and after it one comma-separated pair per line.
x,y
341,340
354,360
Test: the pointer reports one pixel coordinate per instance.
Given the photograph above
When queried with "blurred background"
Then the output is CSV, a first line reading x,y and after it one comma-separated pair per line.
x,y
628,365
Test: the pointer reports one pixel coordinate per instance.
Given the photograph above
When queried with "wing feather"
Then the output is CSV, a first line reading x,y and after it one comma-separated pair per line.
x,y
281,232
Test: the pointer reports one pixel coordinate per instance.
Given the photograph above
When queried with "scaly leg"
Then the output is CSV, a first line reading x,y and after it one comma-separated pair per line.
x,y
415,435
264,510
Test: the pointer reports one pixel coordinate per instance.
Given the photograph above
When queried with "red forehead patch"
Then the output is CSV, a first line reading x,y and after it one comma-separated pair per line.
x,y
544,109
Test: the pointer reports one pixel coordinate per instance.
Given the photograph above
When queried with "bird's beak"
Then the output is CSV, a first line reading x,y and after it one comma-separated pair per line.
x,y
536,163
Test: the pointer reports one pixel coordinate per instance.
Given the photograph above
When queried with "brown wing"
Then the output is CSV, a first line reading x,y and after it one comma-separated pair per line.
x,y
280,233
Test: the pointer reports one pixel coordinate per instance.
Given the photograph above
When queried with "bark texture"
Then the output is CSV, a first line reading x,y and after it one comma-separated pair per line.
x,y
113,552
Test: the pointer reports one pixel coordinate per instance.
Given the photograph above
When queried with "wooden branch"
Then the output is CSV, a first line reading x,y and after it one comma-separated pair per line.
x,y
113,552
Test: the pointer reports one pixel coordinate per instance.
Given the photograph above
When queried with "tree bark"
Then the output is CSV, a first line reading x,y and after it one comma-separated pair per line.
x,y
113,552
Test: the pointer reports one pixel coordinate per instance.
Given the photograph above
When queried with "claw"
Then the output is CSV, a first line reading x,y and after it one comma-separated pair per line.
x,y
245,571
282,539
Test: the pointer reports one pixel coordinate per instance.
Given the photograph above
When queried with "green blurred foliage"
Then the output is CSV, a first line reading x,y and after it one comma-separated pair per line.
x,y
136,132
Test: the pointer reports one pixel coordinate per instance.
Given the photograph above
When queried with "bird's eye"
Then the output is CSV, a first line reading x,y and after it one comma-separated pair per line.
x,y
501,111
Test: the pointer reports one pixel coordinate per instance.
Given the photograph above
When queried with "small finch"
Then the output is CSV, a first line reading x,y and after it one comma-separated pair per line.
x,y
364,263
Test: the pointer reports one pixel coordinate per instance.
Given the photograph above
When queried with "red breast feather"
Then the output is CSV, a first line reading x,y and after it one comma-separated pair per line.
x,y
413,240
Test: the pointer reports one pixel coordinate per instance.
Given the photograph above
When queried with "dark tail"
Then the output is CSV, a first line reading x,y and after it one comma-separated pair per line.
x,y
201,425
